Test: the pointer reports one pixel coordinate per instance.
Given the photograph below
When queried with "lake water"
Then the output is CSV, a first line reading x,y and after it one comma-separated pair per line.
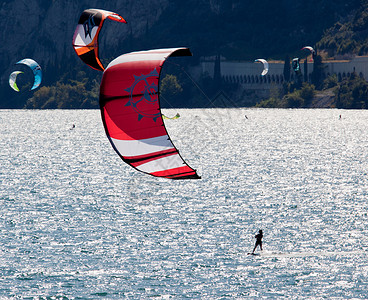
x,y
78,223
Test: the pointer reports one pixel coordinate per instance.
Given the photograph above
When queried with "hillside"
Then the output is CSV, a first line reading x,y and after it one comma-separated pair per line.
x,y
234,29
348,37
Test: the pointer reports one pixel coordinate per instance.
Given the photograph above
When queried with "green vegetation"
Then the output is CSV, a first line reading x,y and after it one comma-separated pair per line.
x,y
330,82
170,86
301,97
293,98
350,37
352,92
73,94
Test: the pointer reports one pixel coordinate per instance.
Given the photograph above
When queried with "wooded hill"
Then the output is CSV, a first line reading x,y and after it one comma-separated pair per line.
x,y
234,29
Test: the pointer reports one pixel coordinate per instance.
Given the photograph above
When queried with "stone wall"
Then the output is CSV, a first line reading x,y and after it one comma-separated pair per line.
x,y
248,73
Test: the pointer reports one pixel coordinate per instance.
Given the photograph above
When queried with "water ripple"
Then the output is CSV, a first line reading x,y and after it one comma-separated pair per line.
x,y
77,222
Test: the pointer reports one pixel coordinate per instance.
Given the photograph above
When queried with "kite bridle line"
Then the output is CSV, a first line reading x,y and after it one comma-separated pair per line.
x,y
193,81
199,88
203,124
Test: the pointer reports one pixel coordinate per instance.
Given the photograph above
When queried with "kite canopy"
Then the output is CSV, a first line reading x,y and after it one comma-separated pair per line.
x,y
13,79
296,65
130,109
313,52
85,39
177,116
310,49
36,69
265,65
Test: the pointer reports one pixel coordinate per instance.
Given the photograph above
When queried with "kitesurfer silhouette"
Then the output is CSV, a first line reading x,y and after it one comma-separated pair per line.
x,y
259,237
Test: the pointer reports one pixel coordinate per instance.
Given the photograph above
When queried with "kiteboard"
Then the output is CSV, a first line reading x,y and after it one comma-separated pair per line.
x,y
272,254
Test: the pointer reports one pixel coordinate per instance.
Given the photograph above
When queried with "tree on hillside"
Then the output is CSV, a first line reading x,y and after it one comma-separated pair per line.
x,y
217,72
306,70
349,37
70,95
287,68
352,93
170,86
318,72
300,97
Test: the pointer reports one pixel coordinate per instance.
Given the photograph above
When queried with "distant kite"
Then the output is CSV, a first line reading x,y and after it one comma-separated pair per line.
x,y
177,116
296,65
13,79
265,65
312,51
37,73
85,39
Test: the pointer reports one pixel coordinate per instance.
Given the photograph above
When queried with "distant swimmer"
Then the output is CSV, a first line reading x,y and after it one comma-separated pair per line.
x,y
340,117
72,127
246,117
258,237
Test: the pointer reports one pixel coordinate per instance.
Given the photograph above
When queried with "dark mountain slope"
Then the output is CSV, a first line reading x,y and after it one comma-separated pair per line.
x,y
236,29
349,36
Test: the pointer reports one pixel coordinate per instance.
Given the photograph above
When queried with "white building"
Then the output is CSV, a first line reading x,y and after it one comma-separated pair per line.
x,y
248,74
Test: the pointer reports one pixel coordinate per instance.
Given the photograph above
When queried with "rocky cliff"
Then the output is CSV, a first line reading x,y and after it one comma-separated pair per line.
x,y
235,29
43,30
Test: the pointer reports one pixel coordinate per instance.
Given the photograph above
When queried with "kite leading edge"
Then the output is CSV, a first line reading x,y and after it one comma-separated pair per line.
x,y
130,110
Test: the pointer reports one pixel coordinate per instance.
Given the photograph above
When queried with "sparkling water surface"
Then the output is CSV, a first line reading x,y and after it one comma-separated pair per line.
x,y
78,223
